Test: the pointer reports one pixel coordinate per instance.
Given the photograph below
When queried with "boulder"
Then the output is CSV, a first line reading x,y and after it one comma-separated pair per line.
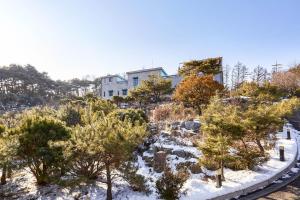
x,y
182,125
189,125
182,154
166,150
148,161
196,127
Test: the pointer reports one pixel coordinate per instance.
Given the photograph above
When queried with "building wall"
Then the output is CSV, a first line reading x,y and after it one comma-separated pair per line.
x,y
141,76
175,79
118,83
116,86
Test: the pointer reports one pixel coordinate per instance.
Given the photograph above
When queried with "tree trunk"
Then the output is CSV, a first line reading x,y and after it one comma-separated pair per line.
x,y
3,177
222,171
199,110
9,171
261,148
108,182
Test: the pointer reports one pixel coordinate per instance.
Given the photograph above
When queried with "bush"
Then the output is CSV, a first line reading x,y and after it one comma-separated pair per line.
x,y
133,115
136,181
70,115
246,158
2,128
172,112
44,160
162,113
209,163
170,184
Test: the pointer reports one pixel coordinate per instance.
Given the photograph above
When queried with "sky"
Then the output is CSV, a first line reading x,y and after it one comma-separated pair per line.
x,y
74,38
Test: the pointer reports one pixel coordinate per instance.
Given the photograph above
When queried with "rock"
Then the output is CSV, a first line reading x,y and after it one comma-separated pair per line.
x,y
196,127
166,150
159,161
195,168
183,165
182,154
148,161
175,125
189,125
182,125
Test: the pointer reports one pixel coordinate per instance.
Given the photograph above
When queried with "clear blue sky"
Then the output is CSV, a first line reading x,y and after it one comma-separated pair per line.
x,y
72,38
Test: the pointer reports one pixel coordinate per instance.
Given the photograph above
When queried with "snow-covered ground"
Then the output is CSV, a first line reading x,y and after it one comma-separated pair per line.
x,y
196,187
237,180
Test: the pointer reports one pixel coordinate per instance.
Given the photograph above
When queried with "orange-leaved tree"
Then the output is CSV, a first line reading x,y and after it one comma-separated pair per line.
x,y
196,91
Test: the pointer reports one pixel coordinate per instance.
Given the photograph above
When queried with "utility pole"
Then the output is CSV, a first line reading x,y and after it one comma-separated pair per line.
x,y
276,67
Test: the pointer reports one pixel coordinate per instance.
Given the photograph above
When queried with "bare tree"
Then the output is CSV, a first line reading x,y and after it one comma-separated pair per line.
x,y
239,75
260,74
226,73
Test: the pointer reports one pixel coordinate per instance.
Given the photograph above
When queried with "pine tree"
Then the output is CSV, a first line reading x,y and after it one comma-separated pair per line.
x,y
220,127
103,143
170,184
36,132
209,66
8,144
151,90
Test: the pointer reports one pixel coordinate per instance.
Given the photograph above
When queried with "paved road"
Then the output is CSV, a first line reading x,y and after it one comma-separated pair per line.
x,y
289,192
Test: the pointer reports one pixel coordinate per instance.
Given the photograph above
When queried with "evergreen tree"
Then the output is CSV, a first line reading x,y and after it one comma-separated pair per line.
x,y
152,89
8,144
170,184
102,144
220,126
206,66
36,134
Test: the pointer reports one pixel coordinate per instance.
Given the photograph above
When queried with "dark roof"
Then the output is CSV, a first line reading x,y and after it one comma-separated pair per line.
x,y
114,75
147,70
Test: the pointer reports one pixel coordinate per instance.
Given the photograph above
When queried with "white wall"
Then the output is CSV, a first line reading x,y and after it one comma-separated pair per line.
x,y
142,76
115,85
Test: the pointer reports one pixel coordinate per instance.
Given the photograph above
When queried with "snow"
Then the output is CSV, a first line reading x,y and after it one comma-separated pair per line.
x,y
237,180
197,187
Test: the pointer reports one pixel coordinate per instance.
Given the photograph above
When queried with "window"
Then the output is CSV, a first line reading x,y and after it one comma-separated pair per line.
x,y
118,93
110,93
124,92
110,79
135,81
104,94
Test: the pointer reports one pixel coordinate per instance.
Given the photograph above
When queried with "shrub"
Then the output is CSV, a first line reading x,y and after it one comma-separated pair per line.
x,y
209,164
170,184
172,112
136,181
2,128
162,113
70,115
36,133
133,115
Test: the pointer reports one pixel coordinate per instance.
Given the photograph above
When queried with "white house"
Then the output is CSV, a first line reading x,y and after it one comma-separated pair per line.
x,y
116,85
